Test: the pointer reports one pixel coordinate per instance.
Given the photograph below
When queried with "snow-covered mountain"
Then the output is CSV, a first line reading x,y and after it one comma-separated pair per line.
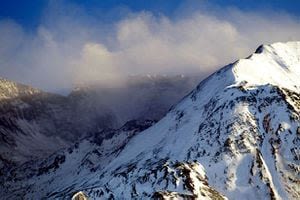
x,y
235,136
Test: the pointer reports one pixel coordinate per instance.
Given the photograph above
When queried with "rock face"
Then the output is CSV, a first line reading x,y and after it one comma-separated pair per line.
x,y
235,136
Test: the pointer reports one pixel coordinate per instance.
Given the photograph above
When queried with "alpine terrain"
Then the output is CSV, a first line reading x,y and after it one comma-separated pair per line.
x,y
235,136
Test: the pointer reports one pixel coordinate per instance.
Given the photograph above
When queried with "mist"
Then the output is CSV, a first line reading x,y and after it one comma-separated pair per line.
x,y
72,47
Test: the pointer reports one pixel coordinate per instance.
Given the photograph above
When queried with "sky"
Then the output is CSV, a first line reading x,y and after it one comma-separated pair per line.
x,y
58,44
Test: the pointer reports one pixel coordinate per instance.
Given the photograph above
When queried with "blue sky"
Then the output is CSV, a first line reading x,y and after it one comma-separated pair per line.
x,y
29,13
59,44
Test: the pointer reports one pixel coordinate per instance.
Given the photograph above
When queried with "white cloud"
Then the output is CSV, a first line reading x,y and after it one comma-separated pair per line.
x,y
71,51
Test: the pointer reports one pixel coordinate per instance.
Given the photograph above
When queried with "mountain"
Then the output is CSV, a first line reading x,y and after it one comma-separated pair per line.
x,y
235,136
26,123
241,124
35,124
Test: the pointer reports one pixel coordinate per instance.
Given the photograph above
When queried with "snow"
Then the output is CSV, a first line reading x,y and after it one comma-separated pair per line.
x,y
277,64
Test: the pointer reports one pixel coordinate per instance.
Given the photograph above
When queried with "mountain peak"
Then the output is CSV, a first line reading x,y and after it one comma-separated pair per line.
x,y
276,64
10,89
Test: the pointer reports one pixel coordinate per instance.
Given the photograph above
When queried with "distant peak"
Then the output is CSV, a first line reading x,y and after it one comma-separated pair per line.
x,y
11,89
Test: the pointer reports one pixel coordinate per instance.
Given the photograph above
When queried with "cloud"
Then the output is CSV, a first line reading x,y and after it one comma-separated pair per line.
x,y
70,48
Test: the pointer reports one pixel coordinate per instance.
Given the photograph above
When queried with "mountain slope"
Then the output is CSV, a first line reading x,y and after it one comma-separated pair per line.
x,y
242,124
236,135
81,159
34,124
26,123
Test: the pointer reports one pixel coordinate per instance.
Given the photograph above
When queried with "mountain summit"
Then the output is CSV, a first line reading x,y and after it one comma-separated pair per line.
x,y
235,136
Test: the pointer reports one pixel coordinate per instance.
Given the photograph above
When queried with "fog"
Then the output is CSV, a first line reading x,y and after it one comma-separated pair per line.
x,y
72,47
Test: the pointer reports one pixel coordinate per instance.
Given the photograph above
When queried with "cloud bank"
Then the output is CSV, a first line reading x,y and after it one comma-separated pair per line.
x,y
71,47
